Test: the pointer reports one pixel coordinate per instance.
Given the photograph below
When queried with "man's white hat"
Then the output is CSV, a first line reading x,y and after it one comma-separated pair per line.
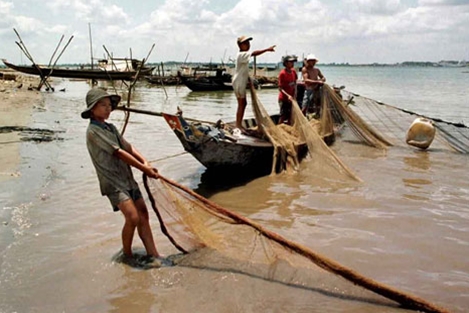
x,y
311,57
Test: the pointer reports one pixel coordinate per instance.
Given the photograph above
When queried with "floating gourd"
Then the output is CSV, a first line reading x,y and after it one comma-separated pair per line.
x,y
421,133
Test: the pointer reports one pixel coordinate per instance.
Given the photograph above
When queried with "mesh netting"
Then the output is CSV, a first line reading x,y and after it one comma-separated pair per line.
x,y
328,163
324,161
394,122
216,238
285,153
360,119
360,128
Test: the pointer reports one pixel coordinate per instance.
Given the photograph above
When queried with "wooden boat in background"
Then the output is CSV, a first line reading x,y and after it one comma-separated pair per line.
x,y
98,74
216,79
206,79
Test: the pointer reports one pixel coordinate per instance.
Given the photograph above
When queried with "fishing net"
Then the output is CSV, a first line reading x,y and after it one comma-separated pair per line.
x,y
360,128
285,151
324,161
215,238
394,122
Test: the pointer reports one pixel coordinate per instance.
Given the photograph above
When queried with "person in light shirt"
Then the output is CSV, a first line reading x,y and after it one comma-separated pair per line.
x,y
241,76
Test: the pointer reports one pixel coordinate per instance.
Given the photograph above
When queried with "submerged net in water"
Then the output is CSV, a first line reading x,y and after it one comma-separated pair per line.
x,y
219,239
394,123
360,128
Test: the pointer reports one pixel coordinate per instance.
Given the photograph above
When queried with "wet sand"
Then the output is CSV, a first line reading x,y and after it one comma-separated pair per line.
x,y
16,105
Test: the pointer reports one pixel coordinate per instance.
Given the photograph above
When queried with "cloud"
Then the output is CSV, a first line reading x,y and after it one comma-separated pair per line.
x,y
355,31
90,11
183,26
443,3
373,7
5,7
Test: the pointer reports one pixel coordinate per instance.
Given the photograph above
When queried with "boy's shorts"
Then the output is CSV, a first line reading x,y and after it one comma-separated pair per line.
x,y
240,91
120,196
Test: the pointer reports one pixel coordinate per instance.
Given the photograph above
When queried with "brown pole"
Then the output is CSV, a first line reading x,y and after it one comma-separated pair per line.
x,y
406,300
91,45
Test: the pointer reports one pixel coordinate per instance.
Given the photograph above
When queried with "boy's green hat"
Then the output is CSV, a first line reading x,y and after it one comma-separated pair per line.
x,y
96,94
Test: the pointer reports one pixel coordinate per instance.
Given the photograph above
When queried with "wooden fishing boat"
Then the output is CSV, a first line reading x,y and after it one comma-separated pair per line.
x,y
207,79
98,74
162,80
221,152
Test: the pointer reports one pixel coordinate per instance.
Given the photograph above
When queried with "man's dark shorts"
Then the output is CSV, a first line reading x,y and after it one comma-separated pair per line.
x,y
285,109
121,196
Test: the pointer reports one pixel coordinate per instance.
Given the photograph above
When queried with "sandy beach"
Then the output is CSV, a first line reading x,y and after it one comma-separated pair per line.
x,y
16,106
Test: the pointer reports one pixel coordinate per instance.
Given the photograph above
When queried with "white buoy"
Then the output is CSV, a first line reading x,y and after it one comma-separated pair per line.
x,y
421,133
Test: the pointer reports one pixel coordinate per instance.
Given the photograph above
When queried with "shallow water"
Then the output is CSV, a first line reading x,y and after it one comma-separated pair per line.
x,y
406,225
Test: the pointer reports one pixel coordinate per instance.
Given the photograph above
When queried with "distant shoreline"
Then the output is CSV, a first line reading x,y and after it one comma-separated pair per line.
x,y
450,63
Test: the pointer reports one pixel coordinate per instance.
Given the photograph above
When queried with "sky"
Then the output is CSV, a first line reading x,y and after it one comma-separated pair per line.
x,y
347,31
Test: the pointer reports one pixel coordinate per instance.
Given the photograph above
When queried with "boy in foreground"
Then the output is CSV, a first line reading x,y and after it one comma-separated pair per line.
x,y
112,157
241,76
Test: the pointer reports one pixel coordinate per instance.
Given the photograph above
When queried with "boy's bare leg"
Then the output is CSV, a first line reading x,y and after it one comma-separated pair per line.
x,y
131,221
144,229
242,103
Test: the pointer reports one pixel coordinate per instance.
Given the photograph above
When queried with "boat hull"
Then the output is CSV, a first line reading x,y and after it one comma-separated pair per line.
x,y
205,84
224,154
97,74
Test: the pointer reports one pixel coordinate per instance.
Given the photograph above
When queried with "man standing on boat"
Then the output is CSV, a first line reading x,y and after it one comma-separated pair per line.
x,y
313,79
241,76
287,86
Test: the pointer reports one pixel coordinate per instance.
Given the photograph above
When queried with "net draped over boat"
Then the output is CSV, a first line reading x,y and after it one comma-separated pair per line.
x,y
285,153
212,237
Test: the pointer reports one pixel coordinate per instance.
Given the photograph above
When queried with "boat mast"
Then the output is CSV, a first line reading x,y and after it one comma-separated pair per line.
x,y
91,45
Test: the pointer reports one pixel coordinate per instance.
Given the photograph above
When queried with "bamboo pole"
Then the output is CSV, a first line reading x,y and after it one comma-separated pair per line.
x,y
255,65
405,299
153,113
91,45
131,86
55,51
30,57
55,63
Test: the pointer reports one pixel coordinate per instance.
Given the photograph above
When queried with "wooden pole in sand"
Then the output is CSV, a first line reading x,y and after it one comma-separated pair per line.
x,y
30,57
43,81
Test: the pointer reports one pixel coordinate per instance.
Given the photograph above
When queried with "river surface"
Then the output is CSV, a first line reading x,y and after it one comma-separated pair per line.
x,y
406,225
